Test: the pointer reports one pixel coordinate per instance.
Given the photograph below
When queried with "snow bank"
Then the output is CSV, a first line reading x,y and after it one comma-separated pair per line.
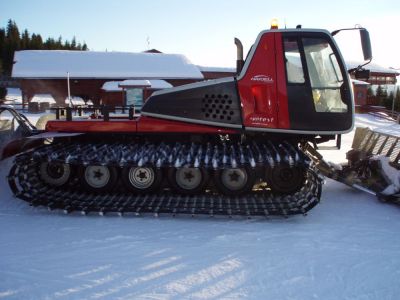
x,y
392,175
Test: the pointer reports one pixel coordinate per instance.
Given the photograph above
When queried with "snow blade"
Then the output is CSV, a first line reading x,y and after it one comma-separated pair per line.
x,y
14,128
373,164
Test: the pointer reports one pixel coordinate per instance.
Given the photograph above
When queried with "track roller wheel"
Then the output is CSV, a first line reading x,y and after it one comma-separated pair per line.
x,y
98,178
235,181
55,173
285,179
188,181
142,179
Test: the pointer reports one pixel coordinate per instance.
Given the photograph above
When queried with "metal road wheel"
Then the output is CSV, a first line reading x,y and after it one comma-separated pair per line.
x,y
141,179
285,179
55,173
234,181
98,178
188,180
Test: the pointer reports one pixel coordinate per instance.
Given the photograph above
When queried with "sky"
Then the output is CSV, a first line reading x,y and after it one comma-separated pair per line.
x,y
204,30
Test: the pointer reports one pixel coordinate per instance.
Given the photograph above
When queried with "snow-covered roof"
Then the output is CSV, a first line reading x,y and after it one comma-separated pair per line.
x,y
111,86
116,86
217,69
133,82
75,100
158,84
41,98
91,64
372,67
359,82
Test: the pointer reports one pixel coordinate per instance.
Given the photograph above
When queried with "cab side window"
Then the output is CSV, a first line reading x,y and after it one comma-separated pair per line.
x,y
294,67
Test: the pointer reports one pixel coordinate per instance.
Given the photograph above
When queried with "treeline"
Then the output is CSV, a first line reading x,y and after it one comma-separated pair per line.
x,y
384,98
11,40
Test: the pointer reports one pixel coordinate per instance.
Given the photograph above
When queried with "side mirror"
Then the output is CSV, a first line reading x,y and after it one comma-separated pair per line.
x,y
366,44
362,74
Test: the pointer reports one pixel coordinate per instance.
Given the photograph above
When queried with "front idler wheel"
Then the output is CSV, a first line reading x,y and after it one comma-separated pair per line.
x,y
55,173
235,181
187,180
142,179
98,178
285,179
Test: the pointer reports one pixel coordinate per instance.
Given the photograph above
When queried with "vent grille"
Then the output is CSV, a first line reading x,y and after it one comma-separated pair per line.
x,y
217,107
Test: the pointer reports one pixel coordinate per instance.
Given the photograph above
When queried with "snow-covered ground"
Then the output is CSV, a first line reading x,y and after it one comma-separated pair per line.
x,y
346,248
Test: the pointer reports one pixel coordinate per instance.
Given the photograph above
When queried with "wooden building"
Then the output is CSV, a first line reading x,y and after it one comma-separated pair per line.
x,y
360,89
47,72
130,92
379,76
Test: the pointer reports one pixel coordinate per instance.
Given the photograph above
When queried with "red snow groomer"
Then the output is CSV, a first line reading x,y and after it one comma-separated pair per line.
x,y
231,146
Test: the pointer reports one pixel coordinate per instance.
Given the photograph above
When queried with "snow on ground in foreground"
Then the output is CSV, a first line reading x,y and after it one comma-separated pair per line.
x,y
346,248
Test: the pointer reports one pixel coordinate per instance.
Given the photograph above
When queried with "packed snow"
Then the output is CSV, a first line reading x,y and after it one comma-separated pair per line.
x,y
347,247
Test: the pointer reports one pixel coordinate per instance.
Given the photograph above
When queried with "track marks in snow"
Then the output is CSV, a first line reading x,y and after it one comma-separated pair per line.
x,y
223,279
7,293
95,270
205,275
131,282
222,287
92,284
156,252
161,263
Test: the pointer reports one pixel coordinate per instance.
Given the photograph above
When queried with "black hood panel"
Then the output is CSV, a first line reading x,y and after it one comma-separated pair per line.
x,y
212,103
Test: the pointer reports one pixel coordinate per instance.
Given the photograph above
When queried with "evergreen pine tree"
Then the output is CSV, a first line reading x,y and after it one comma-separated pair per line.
x,y
73,43
11,40
67,45
36,42
397,100
2,41
12,43
59,43
388,101
25,40
370,91
3,92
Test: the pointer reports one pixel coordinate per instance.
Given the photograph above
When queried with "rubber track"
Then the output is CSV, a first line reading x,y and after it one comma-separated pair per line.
x,y
24,180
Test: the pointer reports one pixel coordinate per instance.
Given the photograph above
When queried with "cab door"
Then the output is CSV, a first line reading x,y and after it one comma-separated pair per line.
x,y
257,84
318,88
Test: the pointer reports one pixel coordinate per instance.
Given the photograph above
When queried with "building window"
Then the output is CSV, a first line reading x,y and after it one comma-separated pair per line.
x,y
134,97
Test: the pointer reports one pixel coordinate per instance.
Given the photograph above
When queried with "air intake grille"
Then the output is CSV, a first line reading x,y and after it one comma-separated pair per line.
x,y
217,107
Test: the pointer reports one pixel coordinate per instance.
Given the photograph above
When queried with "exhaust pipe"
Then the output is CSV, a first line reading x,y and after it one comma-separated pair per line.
x,y
239,59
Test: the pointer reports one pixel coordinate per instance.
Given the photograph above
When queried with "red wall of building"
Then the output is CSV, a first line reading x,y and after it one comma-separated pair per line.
x,y
360,94
58,88
92,88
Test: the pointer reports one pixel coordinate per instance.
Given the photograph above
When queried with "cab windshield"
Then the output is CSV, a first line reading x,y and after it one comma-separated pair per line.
x,y
324,72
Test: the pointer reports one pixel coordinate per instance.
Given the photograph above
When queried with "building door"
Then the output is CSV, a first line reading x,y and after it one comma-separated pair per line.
x,y
134,97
